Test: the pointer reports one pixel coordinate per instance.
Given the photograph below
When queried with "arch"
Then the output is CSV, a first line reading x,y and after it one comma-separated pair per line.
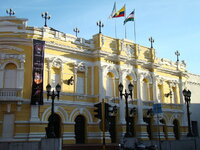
x,y
166,118
131,74
59,110
10,62
146,77
173,117
112,70
80,111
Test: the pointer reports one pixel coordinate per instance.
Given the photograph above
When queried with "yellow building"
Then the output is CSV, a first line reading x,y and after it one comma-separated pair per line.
x,y
97,66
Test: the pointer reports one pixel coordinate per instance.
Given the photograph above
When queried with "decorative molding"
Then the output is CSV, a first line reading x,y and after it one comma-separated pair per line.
x,y
8,47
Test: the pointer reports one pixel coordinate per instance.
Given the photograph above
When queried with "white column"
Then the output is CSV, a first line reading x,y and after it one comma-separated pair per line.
x,y
1,78
49,72
75,78
86,76
155,89
92,80
20,78
114,87
61,75
180,90
34,113
139,102
122,102
101,88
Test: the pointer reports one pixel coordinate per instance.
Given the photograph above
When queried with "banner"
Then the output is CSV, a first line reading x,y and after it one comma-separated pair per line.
x,y
37,76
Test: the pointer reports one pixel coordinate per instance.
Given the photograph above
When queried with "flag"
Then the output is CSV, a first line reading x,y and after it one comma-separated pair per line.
x,y
113,11
130,17
120,13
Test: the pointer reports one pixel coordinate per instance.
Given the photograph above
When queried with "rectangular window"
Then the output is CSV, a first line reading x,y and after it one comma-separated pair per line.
x,y
80,85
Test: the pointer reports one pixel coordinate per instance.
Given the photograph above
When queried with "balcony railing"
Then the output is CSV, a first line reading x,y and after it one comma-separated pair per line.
x,y
7,94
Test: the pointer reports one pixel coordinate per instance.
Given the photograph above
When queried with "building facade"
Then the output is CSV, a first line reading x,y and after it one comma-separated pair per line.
x,y
97,66
193,84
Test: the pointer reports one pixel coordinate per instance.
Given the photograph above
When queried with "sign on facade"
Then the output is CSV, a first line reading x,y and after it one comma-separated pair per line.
x,y
37,77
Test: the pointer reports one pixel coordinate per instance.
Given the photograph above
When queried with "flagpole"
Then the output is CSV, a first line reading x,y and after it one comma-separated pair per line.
x,y
125,18
134,28
125,31
115,30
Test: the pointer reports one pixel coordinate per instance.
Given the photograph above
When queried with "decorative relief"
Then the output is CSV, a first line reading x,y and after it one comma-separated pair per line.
x,y
129,50
80,67
8,47
56,62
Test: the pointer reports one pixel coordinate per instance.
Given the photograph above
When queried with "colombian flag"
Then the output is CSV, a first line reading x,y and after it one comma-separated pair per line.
x,y
120,13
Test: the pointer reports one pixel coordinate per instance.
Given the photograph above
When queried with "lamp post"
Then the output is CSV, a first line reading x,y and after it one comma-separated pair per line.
x,y
10,12
45,16
76,30
177,55
130,87
187,95
50,131
152,41
101,25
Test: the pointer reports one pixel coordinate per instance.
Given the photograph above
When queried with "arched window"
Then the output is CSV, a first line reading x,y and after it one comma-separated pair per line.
x,y
110,84
55,77
10,76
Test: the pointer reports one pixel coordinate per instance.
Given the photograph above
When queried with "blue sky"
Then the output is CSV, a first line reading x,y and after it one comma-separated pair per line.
x,y
174,24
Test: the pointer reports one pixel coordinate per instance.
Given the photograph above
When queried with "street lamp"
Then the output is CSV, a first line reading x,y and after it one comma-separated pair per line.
x,y
50,130
130,87
100,25
46,16
76,30
10,12
187,95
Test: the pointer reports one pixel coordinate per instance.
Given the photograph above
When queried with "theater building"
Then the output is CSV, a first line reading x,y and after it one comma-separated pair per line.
x,y
95,67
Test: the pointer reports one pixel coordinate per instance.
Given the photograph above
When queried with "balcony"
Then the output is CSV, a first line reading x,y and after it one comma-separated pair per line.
x,y
10,95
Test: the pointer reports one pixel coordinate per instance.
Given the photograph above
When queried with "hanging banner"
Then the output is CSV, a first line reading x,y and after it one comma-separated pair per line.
x,y
37,77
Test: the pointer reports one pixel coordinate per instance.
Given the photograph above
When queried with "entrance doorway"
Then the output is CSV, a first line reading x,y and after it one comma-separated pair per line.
x,y
80,129
176,129
112,129
56,123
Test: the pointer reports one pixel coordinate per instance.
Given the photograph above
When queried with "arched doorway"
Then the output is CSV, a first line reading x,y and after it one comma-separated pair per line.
x,y
176,129
80,129
112,129
55,122
164,128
